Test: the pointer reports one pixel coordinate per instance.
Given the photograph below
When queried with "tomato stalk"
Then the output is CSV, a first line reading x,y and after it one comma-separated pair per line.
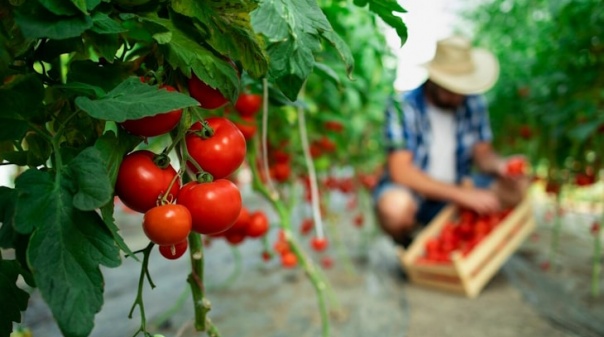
x,y
139,295
273,190
314,190
318,282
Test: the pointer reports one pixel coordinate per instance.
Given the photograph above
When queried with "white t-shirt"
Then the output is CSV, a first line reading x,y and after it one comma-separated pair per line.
x,y
442,144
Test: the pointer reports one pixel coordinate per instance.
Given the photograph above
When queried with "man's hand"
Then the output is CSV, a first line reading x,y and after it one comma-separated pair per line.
x,y
480,200
513,168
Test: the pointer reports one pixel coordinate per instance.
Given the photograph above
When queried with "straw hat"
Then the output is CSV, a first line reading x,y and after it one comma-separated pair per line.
x,y
459,68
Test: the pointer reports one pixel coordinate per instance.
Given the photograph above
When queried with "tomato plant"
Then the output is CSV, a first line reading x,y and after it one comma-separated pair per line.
x,y
75,113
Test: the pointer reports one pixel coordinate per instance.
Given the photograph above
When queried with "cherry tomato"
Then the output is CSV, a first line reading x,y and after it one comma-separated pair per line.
x,y
248,104
168,224
281,247
214,206
247,126
154,125
234,238
334,126
141,182
306,226
326,262
173,252
280,171
220,154
289,260
242,222
258,225
208,97
318,244
515,166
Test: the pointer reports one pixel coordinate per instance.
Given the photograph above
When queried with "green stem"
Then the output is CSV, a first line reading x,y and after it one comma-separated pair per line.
x,y
200,304
139,295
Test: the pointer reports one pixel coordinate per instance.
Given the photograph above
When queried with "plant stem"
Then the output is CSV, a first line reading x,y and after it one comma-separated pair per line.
x,y
139,295
265,166
200,304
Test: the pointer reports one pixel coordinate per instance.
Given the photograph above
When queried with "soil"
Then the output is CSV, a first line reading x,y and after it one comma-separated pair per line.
x,y
369,295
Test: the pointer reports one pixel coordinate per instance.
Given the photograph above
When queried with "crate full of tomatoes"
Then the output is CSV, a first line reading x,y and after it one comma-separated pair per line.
x,y
460,251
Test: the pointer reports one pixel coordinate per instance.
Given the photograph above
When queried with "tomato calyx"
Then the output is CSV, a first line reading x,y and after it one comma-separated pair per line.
x,y
205,132
161,160
204,177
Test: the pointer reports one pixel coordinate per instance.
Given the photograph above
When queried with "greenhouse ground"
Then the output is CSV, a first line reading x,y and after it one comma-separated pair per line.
x,y
370,296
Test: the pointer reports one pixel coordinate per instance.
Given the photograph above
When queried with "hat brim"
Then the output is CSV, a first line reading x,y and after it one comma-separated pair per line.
x,y
480,80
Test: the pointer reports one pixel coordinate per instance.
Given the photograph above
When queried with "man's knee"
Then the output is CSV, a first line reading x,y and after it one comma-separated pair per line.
x,y
396,210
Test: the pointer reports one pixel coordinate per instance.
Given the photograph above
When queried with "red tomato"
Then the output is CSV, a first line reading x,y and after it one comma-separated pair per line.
x,y
141,183
585,179
280,171
221,153
319,244
306,226
334,126
515,166
526,132
173,252
234,238
247,126
208,97
242,222
214,206
289,260
326,262
248,104
281,247
432,245
266,256
258,225
154,125
280,156
167,225
359,220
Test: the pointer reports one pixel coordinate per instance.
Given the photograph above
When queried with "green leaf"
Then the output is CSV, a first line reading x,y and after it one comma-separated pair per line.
x,y
294,30
342,49
327,72
38,22
12,129
107,215
22,99
65,249
7,210
82,89
105,45
386,10
60,7
186,54
90,174
229,31
113,149
14,299
39,149
583,131
54,48
103,24
133,99
106,76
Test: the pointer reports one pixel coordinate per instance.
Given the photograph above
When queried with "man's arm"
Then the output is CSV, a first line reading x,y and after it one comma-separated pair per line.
x,y
487,160
402,171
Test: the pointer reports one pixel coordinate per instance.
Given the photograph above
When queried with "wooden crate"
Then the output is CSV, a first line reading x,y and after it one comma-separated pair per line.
x,y
468,274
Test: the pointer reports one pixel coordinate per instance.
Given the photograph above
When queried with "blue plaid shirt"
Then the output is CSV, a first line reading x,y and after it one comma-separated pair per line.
x,y
407,127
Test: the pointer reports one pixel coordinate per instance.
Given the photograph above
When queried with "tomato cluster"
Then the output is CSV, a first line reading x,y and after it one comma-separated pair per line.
x,y
247,225
147,182
461,234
